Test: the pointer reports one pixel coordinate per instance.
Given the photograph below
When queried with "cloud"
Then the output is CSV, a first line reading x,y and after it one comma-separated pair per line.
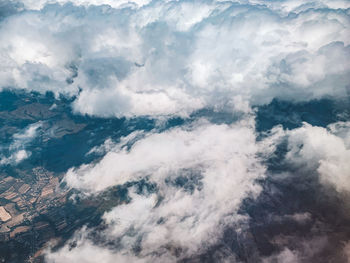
x,y
326,150
285,256
178,148
174,57
85,251
166,58
39,4
200,182
347,251
16,150
8,8
297,6
303,249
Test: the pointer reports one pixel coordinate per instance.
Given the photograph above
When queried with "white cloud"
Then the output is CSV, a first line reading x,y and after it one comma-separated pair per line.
x,y
16,149
87,252
202,173
178,148
295,249
173,57
325,150
285,256
297,6
39,4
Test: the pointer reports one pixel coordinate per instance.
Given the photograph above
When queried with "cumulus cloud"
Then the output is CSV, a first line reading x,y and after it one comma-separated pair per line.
x,y
16,150
173,57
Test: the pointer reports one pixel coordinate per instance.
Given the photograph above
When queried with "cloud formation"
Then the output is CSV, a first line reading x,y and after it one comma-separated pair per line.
x,y
200,178
325,150
201,181
173,57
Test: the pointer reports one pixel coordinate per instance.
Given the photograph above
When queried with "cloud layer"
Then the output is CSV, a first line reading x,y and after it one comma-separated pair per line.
x,y
173,57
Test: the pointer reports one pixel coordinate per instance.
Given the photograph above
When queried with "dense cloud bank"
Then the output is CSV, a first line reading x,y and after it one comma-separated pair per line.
x,y
244,189
173,57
